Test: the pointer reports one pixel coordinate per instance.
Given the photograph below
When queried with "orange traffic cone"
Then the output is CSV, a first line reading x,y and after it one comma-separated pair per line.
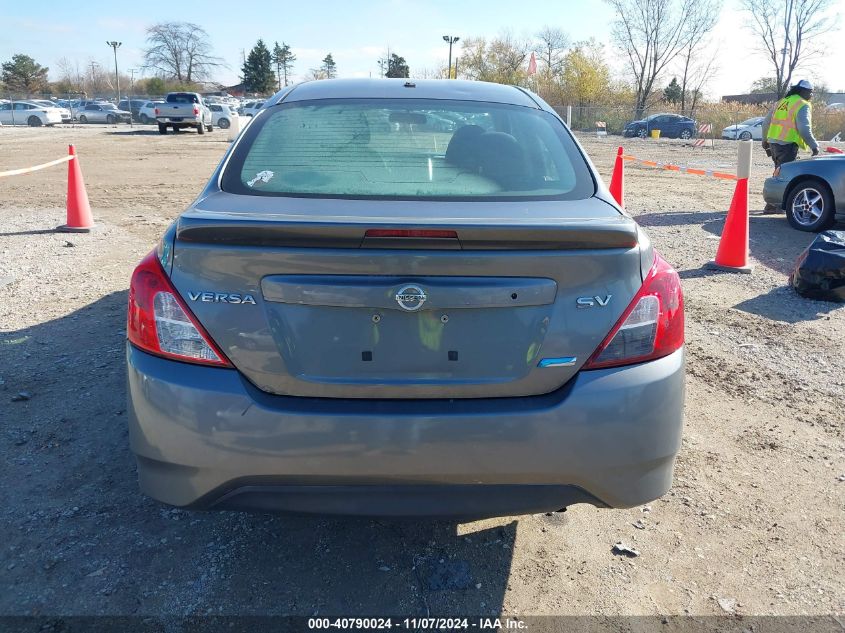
x,y
733,246
79,219
617,184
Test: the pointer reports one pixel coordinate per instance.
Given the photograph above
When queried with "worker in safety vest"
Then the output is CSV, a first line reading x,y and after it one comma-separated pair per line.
x,y
788,127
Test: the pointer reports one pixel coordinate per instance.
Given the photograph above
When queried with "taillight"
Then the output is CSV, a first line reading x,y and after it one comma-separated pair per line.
x,y
652,325
196,110
159,322
425,233
156,111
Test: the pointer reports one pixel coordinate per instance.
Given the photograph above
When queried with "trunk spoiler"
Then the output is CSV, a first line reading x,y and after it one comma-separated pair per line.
x,y
575,234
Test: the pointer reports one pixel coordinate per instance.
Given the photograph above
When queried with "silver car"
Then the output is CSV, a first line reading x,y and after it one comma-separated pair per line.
x,y
102,113
812,191
369,319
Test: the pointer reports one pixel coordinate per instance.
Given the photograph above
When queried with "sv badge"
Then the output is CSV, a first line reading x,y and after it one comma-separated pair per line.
x,y
592,302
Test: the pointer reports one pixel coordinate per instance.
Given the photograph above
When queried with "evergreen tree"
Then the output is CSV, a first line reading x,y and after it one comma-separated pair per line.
x,y
329,68
397,67
283,58
155,86
257,70
672,93
24,74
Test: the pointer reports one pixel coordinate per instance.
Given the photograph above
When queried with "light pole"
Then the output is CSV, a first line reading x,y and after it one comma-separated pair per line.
x,y
115,46
451,39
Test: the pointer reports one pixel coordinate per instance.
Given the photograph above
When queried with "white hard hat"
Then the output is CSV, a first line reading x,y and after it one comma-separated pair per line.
x,y
804,85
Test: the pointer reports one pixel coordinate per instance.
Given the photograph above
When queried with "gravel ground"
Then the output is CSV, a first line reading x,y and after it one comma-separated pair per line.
x,y
753,525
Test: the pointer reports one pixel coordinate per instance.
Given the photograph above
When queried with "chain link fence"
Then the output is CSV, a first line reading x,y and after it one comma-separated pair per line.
x,y
826,123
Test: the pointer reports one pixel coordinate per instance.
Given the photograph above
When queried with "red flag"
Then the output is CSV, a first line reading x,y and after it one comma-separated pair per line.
x,y
532,65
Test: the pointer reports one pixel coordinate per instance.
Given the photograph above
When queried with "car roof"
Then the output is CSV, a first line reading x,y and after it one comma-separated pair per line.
x,y
396,89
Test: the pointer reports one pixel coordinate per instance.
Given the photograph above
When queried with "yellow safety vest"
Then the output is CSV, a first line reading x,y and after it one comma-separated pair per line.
x,y
783,126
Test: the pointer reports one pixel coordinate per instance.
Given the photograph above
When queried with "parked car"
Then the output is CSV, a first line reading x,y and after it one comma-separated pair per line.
x,y
181,110
670,126
221,115
327,328
134,107
64,112
812,191
250,108
749,129
836,107
28,113
102,112
147,113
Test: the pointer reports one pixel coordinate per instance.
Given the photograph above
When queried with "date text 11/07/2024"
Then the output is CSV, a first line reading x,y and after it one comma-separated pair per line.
x,y
416,624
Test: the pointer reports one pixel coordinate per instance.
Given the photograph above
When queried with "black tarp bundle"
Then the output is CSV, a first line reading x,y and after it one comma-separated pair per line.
x,y
820,270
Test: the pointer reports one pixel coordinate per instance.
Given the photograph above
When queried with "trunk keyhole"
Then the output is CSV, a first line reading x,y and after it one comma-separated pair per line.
x,y
514,296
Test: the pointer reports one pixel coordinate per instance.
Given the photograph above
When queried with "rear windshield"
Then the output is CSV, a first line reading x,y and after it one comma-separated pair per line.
x,y
182,97
407,149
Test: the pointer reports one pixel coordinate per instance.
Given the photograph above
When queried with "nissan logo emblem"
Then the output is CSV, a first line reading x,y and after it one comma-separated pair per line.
x,y
411,297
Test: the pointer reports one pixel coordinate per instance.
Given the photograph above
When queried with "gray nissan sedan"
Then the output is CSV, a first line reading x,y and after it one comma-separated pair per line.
x,y
370,312
812,191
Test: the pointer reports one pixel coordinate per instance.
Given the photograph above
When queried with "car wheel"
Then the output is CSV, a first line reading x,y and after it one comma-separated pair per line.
x,y
201,129
642,133
83,118
686,134
210,128
110,119
144,118
33,121
745,136
809,206
162,129
223,124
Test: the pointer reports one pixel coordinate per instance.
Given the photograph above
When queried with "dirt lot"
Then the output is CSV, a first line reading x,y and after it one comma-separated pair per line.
x,y
753,524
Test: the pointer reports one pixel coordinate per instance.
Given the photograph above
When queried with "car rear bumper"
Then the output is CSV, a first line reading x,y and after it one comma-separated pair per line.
x,y
178,121
206,438
774,191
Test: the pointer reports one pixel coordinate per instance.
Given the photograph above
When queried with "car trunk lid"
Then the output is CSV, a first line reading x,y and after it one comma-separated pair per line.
x,y
307,304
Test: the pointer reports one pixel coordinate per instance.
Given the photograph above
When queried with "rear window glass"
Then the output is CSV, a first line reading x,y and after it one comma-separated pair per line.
x,y
408,149
181,97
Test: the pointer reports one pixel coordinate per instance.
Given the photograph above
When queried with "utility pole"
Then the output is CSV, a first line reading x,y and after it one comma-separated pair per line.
x,y
93,70
451,39
115,46
456,67
131,90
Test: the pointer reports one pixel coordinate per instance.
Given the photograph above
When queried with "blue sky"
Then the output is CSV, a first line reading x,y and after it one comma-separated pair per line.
x,y
356,32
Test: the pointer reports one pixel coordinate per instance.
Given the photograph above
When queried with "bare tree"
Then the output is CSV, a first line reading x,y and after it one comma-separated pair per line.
x,y
652,33
502,59
551,47
71,74
697,69
180,51
786,29
697,74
